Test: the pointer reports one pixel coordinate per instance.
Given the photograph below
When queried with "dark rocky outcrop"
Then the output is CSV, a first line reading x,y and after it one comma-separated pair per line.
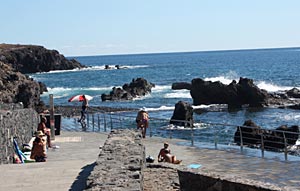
x,y
17,59
251,133
32,59
234,94
138,87
276,138
16,87
183,112
181,85
253,136
293,93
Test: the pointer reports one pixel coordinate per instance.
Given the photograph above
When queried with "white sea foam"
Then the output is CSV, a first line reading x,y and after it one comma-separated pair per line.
x,y
175,127
62,92
91,68
201,106
61,71
178,94
272,87
63,89
147,96
225,79
289,117
222,79
230,76
159,88
161,108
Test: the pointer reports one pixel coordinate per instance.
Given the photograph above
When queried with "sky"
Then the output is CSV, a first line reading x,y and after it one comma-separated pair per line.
x,y
109,27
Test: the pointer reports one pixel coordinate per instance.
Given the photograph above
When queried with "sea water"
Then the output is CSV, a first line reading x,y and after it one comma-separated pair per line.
x,y
271,69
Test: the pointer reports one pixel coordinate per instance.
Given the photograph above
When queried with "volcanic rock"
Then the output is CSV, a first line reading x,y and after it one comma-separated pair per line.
x,y
183,114
181,85
32,59
138,87
234,94
293,93
16,87
253,136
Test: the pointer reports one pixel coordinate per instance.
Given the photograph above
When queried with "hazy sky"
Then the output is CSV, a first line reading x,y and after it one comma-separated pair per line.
x,y
98,27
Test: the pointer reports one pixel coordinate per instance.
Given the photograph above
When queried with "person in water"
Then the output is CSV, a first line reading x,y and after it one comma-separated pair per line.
x,y
142,121
165,155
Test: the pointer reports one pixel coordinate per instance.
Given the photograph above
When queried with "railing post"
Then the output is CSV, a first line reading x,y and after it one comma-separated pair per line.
x,y
262,146
104,118
241,138
150,128
192,132
98,122
216,139
88,119
93,121
285,147
111,123
170,133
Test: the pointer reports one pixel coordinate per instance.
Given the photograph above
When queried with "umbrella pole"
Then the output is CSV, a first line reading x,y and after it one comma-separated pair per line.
x,y
52,122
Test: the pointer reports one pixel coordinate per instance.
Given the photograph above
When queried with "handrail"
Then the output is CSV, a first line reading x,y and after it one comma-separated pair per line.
x,y
116,119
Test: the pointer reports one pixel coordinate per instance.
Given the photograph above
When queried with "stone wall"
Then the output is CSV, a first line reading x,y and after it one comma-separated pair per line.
x,y
207,181
120,163
19,123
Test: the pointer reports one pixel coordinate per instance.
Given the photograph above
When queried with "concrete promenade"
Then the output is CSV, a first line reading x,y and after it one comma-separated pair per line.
x,y
68,166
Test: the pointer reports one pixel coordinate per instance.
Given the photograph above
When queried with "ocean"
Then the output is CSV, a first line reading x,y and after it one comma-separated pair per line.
x,y
271,69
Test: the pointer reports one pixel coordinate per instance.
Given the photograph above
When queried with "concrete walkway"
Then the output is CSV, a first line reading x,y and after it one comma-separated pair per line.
x,y
68,166
280,175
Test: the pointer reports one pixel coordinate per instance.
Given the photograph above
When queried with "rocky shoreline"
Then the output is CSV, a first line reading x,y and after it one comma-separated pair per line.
x,y
18,60
73,111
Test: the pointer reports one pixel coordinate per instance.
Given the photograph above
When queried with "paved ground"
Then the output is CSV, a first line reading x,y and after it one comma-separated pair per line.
x,y
68,166
233,164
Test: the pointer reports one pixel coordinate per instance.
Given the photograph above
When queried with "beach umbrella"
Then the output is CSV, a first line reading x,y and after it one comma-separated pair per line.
x,y
80,98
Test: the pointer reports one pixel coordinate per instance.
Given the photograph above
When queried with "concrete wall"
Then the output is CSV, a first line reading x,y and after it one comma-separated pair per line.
x,y
120,163
20,123
207,181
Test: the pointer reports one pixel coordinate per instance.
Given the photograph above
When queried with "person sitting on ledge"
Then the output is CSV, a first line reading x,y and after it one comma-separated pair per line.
x,y
42,127
38,151
166,156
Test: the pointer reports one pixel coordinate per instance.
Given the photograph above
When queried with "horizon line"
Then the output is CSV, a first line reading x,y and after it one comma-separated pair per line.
x,y
196,51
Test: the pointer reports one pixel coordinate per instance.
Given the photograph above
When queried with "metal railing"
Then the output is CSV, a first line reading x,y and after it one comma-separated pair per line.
x,y
198,131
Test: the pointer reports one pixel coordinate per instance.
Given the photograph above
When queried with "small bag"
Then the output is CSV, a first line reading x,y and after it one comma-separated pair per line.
x,y
150,159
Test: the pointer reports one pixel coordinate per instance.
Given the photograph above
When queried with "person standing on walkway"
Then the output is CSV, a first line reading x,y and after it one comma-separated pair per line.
x,y
84,106
142,121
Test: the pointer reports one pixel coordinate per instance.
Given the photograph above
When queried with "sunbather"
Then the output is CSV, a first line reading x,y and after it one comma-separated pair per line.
x,y
38,151
166,156
42,127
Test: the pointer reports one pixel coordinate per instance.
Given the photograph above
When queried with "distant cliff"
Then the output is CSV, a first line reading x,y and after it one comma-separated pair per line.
x,y
32,59
16,61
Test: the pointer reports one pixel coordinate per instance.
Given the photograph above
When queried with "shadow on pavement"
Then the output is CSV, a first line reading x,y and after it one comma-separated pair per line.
x,y
80,182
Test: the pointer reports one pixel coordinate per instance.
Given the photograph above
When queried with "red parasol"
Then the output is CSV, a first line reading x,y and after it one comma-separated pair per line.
x,y
80,98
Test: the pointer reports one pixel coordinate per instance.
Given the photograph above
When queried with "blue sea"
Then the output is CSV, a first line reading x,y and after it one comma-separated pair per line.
x,y
271,69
